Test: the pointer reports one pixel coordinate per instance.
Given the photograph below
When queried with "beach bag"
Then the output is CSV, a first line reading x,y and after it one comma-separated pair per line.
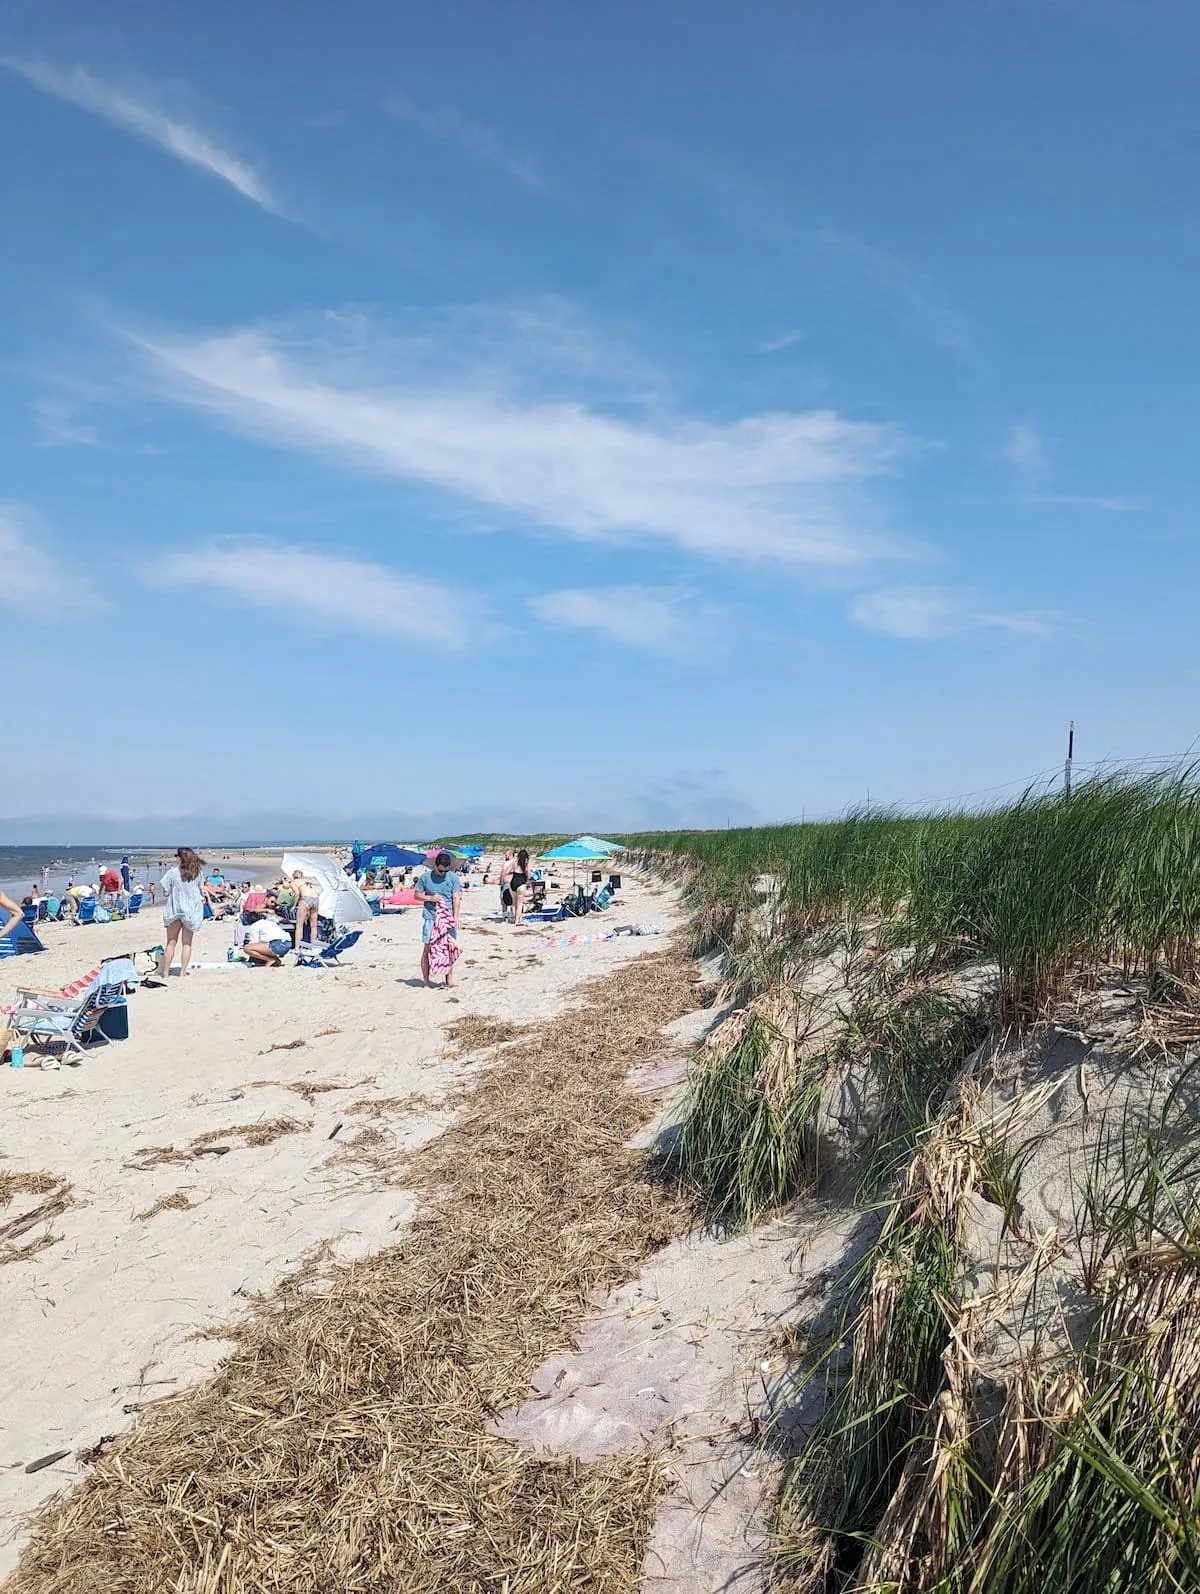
x,y
114,1022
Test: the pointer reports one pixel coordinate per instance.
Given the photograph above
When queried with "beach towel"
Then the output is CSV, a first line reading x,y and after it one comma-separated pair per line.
x,y
444,950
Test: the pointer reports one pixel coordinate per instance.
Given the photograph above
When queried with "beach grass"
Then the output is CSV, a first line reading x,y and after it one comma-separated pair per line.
x,y
1049,888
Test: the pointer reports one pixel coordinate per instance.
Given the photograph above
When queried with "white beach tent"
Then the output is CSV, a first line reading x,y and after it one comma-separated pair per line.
x,y
341,900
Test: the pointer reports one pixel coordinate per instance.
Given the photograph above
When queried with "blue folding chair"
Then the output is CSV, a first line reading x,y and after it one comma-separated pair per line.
x,y
317,957
135,905
85,913
29,912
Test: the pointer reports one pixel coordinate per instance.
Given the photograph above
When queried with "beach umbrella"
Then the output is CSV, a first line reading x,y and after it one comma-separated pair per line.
x,y
581,851
340,898
595,841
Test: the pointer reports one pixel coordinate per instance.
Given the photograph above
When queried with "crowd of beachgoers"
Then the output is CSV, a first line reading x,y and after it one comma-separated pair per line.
x,y
300,910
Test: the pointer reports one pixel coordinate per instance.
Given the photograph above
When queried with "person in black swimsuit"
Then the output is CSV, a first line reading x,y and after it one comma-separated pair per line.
x,y
517,885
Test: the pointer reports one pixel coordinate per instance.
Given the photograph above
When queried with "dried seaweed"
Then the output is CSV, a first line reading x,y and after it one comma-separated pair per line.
x,y
345,1443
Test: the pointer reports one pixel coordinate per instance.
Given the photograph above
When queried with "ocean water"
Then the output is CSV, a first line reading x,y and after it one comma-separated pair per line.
x,y
51,867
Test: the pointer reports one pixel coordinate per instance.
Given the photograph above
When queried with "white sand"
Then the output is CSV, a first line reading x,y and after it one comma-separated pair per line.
x,y
104,1318
680,1361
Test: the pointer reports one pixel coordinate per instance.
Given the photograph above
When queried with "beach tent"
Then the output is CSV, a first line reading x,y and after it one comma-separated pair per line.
x,y
340,898
22,938
386,855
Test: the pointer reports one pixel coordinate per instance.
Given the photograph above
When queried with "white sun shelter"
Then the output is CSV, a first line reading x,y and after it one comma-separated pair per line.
x,y
340,899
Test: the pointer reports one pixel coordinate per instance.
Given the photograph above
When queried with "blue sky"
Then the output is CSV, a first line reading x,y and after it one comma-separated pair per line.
x,y
546,416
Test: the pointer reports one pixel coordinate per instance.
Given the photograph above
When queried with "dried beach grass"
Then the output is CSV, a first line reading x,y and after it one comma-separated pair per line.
x,y
381,1106
344,1444
177,1201
57,1193
475,1032
14,1184
263,1133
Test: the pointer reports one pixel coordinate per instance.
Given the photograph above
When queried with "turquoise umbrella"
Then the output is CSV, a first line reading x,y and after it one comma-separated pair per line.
x,y
582,851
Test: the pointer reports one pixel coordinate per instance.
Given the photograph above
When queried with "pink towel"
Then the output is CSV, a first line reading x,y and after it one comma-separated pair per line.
x,y
444,950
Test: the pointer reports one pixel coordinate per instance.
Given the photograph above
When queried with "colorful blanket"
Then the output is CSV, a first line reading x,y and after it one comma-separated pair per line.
x,y
444,950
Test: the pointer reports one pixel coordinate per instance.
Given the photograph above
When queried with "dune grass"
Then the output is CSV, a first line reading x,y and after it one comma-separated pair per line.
x,y
1047,888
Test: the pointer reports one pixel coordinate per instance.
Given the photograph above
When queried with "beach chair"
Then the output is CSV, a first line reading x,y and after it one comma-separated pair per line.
x,y
85,913
45,1023
135,905
309,956
29,912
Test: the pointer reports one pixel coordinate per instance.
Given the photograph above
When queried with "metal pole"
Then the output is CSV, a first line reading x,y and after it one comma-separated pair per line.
x,y
1070,757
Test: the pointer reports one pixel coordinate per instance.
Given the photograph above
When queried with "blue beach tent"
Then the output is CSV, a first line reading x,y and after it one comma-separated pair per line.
x,y
386,855
22,938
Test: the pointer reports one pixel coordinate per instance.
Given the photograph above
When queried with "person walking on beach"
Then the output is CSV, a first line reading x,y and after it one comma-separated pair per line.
x,y
183,908
518,885
439,890
507,869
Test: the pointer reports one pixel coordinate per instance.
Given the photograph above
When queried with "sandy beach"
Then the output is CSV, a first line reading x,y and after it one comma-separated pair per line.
x,y
254,1123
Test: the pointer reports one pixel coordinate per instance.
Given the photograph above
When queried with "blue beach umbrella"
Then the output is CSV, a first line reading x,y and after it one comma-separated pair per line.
x,y
585,850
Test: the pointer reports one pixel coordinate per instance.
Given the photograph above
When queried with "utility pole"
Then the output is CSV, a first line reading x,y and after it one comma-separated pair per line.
x,y
1070,759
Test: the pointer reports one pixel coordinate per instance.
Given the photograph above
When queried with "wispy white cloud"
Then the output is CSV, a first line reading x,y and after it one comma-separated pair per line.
x,y
445,122
31,577
1027,451
58,422
663,619
138,115
920,614
349,593
1113,505
786,340
778,485
917,299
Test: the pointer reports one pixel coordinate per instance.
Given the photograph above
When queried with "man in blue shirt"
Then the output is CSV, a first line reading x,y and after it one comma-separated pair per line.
x,y
439,884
